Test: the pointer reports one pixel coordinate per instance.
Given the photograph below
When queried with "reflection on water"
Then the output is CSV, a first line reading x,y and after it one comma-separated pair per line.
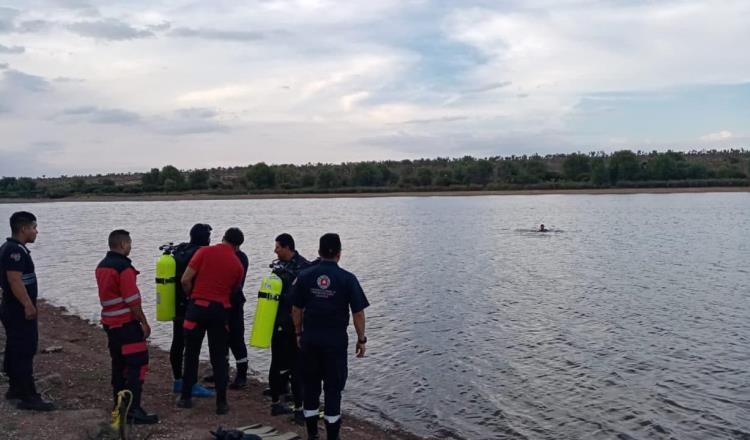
x,y
630,323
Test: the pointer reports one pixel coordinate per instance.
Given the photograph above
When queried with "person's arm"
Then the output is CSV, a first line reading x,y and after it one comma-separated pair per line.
x,y
137,311
22,295
358,303
298,308
132,297
359,325
297,315
187,281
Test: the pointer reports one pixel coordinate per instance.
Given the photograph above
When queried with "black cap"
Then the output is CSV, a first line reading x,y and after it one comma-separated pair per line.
x,y
200,234
234,236
330,245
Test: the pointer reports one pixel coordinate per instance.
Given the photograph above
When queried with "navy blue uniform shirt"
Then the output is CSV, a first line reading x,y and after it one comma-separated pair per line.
x,y
327,292
15,257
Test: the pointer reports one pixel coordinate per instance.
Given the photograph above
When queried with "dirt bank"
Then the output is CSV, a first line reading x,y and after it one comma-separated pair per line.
x,y
77,379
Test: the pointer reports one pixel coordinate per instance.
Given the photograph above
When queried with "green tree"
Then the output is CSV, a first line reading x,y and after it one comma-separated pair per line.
x,y
169,172
198,179
507,171
599,171
665,166
623,165
171,185
261,176
696,170
424,176
326,179
151,180
366,174
576,167
481,172
26,184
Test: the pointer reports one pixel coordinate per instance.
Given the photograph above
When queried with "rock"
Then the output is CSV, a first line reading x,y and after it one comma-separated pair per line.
x,y
53,349
50,381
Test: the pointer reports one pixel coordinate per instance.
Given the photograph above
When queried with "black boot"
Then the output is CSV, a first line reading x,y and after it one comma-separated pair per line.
x,y
332,430
240,381
138,416
312,428
30,399
222,407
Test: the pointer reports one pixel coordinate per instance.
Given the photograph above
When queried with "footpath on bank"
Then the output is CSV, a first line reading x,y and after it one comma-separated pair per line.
x,y
76,376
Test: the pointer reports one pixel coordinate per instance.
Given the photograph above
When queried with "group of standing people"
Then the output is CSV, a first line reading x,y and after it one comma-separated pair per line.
x,y
309,343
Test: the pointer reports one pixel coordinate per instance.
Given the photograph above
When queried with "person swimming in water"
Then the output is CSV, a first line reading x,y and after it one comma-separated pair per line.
x,y
542,228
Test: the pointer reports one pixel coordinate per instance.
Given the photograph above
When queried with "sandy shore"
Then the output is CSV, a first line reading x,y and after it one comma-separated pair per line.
x,y
203,196
77,380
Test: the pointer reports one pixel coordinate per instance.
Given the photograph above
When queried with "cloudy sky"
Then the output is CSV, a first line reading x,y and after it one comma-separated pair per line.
x,y
89,86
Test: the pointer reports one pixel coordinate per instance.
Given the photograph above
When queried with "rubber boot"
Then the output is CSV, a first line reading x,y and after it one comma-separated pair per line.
x,y
240,381
332,430
222,407
312,428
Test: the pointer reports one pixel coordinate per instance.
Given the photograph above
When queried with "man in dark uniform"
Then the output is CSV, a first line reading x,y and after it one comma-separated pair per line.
x,y
125,324
19,313
214,273
200,235
285,361
322,297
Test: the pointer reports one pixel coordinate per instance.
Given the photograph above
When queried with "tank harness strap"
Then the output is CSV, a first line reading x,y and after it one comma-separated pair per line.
x,y
271,296
166,280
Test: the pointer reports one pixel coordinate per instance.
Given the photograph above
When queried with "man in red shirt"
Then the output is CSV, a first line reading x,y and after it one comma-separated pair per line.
x,y
125,323
212,275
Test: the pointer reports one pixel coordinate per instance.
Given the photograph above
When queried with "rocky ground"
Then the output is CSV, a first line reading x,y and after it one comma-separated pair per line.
x,y
76,375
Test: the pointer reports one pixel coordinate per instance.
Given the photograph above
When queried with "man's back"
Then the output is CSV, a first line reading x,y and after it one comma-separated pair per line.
x,y
218,273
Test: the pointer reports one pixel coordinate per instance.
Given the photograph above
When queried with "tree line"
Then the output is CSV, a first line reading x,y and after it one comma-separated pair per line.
x,y
623,168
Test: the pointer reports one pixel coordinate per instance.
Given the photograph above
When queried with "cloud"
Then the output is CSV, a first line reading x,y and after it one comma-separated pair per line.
x,y
444,119
16,80
215,34
108,29
11,49
189,121
7,17
33,26
98,115
489,87
723,135
3,66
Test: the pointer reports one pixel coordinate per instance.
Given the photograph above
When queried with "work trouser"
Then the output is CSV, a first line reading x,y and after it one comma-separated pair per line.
x,y
285,365
237,335
129,353
201,317
177,349
21,342
326,363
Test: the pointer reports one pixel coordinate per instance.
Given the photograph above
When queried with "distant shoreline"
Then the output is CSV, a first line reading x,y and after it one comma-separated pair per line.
x,y
204,196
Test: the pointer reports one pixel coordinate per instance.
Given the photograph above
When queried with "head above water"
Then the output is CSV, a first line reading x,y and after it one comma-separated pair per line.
x,y
542,228
330,246
120,242
23,226
200,234
284,247
234,237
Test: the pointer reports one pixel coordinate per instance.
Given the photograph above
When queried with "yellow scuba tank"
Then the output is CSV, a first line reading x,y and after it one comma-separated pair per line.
x,y
166,271
265,312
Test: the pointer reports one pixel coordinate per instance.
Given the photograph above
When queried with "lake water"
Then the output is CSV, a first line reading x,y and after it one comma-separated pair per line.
x,y
631,320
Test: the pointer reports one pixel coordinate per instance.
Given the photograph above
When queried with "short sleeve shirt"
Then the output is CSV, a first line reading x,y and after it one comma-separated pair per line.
x,y
218,272
15,257
327,293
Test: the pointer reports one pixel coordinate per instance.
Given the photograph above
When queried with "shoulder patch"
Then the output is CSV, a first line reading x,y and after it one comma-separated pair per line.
x,y
16,256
